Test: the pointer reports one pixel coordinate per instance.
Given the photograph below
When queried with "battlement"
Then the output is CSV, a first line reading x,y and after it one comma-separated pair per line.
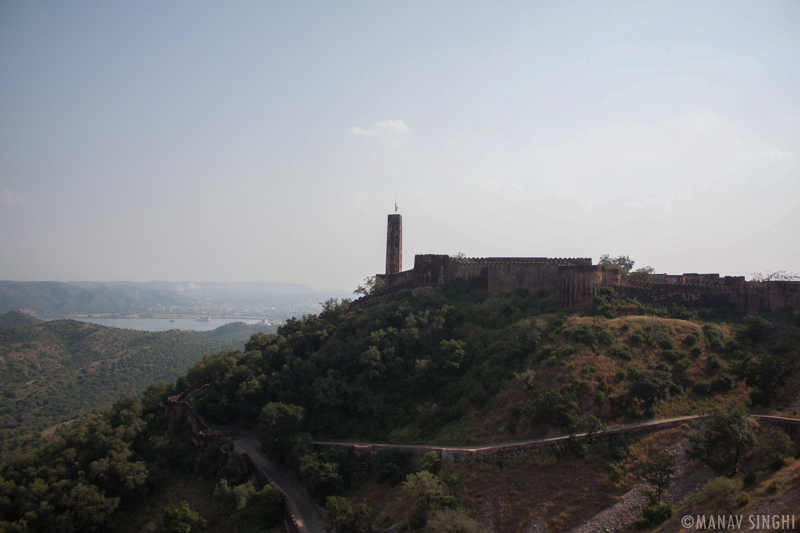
x,y
575,280
561,261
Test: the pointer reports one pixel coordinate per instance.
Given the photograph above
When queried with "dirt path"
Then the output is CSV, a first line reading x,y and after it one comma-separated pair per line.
x,y
308,511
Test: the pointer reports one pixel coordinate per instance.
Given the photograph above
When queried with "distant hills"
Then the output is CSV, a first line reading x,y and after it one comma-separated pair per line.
x,y
51,372
197,287
54,298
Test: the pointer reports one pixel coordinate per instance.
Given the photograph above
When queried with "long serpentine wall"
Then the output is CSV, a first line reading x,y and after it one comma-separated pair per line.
x,y
358,457
206,439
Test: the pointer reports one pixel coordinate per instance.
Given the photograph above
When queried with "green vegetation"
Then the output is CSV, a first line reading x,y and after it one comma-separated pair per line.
x,y
449,367
55,371
722,442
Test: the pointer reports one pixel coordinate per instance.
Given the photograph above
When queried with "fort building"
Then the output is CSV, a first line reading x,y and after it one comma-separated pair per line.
x,y
576,280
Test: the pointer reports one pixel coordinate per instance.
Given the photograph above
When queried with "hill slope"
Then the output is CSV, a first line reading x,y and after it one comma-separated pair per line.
x,y
53,371
460,368
16,319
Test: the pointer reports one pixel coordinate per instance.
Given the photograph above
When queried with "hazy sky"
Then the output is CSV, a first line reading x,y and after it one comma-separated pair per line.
x,y
267,141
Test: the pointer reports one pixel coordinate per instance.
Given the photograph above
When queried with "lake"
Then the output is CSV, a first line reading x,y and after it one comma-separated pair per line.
x,y
162,324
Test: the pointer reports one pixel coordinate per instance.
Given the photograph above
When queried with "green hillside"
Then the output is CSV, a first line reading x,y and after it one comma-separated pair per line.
x,y
460,367
14,319
448,368
54,371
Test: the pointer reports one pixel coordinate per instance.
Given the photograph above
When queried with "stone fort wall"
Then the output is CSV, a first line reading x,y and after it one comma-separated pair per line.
x,y
576,280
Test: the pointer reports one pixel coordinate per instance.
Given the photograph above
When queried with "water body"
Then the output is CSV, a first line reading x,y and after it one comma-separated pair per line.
x,y
163,324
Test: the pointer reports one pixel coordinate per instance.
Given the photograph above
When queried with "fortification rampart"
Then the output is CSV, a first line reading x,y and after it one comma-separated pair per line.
x,y
205,439
359,456
576,281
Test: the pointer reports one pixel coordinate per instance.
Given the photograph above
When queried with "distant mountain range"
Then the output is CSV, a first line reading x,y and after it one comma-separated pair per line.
x,y
198,287
54,298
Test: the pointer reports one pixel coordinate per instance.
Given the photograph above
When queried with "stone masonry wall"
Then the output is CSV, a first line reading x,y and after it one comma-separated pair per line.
x,y
204,438
359,457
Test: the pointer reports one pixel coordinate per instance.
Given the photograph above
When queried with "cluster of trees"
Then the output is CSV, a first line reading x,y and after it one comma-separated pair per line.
x,y
368,372
625,264
79,482
415,363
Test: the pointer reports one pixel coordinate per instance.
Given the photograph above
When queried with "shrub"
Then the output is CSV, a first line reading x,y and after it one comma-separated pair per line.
x,y
702,387
682,365
653,514
431,462
620,352
716,339
451,521
724,494
236,469
552,407
391,465
321,479
182,520
722,383
344,517
651,387
666,343
696,351
429,494
674,355
713,363
756,329
691,339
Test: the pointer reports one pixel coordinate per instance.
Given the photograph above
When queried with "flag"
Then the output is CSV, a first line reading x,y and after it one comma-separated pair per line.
x,y
395,206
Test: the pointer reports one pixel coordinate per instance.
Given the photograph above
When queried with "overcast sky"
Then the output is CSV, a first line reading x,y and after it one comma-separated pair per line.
x,y
268,141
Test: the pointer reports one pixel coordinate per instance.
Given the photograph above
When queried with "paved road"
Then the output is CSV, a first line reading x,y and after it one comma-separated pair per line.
x,y
309,512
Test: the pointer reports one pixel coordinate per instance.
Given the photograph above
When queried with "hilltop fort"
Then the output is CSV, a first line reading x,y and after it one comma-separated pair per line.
x,y
576,280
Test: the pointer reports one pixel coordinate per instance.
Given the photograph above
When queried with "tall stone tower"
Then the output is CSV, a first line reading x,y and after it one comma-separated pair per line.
x,y
394,245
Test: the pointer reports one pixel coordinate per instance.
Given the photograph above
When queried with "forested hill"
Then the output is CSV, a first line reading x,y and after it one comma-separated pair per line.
x,y
460,367
15,319
52,372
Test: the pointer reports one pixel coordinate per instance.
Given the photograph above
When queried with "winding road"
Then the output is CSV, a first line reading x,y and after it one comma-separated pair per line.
x,y
307,510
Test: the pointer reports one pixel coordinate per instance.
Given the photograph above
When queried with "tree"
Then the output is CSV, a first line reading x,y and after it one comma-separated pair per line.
x,y
767,376
182,520
278,425
652,387
452,521
622,262
344,517
723,440
778,275
319,477
429,493
644,273
658,473
372,284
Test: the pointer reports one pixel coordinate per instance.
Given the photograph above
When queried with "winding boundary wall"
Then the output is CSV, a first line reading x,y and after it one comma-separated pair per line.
x,y
358,457
205,439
